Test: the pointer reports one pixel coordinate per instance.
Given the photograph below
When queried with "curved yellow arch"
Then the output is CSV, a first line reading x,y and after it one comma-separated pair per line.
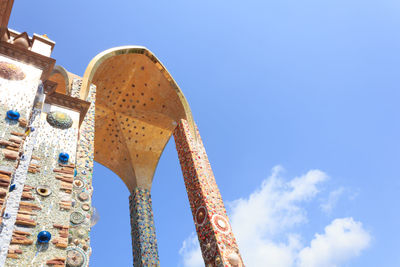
x,y
101,57
138,105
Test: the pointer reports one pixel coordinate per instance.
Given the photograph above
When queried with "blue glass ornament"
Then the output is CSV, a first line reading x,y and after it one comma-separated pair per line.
x,y
63,157
13,115
12,187
43,237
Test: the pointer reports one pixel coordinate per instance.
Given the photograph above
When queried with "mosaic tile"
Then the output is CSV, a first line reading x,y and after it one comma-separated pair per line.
x,y
144,241
217,242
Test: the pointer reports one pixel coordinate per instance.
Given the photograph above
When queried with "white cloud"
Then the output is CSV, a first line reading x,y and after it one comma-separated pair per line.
x,y
265,226
332,200
190,252
343,239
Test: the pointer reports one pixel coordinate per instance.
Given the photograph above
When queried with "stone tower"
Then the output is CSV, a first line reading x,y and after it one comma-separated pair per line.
x,y
54,125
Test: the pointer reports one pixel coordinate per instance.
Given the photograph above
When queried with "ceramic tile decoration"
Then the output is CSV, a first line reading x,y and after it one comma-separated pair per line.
x,y
80,224
144,241
217,243
55,124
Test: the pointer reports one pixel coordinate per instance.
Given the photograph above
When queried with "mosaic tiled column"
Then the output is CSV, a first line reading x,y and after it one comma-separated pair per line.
x,y
218,245
80,251
144,242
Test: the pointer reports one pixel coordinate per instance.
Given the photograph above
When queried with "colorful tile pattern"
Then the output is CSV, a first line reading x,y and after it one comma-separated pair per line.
x,y
48,210
83,189
144,241
217,242
66,211
16,93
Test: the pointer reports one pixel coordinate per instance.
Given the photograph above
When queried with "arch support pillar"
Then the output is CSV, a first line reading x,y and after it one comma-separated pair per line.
x,y
217,242
144,242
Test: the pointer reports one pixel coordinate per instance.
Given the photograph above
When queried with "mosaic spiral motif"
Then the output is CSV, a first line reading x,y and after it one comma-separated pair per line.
x,y
220,223
201,214
75,257
77,217
10,71
59,120
144,242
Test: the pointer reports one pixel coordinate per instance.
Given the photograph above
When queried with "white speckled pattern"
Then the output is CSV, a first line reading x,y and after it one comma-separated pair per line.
x,y
14,197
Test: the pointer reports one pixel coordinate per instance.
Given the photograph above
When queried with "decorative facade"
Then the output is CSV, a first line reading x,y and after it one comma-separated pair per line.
x,y
55,124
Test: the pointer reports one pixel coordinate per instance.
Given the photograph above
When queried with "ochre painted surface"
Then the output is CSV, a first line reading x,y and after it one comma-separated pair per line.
x,y
5,11
138,105
59,79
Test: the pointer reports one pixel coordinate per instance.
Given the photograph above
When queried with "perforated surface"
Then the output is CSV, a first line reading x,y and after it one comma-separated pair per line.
x,y
136,111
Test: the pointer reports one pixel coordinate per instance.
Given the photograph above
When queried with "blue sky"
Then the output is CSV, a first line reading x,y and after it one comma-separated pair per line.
x,y
297,103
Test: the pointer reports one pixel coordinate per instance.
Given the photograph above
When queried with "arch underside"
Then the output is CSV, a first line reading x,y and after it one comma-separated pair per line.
x,y
138,105
61,77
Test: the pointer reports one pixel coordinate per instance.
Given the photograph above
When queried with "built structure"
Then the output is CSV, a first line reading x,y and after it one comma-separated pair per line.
x,y
54,125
